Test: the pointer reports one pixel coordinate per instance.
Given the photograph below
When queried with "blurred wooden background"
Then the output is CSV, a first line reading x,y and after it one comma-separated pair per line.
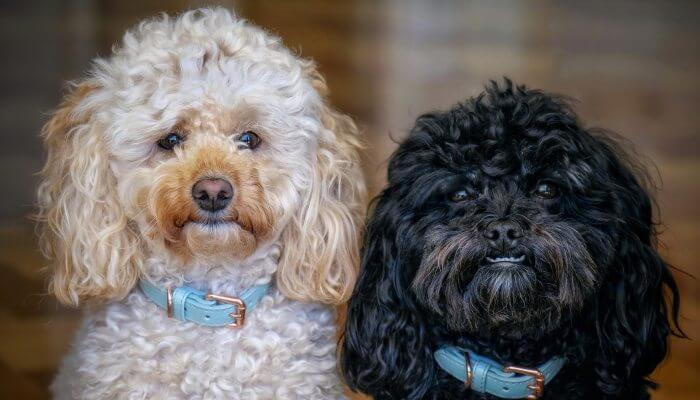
x,y
633,65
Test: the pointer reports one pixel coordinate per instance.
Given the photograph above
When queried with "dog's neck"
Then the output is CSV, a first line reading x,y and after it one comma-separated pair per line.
x,y
230,278
525,350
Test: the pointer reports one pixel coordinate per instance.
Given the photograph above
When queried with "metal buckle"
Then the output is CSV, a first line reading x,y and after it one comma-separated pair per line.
x,y
237,316
537,386
470,372
169,303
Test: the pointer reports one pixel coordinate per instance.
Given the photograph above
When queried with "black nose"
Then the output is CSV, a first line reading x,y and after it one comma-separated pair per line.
x,y
212,194
503,235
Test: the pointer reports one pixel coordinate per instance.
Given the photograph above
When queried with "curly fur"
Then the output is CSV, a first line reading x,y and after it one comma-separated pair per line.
x,y
115,208
591,287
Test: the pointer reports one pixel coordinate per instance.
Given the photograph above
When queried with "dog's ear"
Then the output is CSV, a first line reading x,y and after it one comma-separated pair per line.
x,y
385,350
83,231
633,316
320,258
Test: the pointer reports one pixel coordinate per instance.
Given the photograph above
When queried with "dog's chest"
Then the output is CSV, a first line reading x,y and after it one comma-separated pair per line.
x,y
282,344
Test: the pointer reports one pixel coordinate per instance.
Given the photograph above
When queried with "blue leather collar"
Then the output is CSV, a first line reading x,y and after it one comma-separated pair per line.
x,y
488,376
188,304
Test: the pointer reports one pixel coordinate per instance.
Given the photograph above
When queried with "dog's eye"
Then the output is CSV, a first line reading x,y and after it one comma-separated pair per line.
x,y
170,141
250,139
547,190
462,195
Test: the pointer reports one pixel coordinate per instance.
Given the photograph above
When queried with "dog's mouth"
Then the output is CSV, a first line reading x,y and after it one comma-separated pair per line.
x,y
212,224
212,221
504,261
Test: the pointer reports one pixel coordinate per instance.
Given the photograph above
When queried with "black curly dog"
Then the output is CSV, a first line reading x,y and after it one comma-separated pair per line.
x,y
508,228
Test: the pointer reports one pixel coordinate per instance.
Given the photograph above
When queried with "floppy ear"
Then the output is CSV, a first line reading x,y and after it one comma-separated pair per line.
x,y
83,231
634,319
321,245
385,350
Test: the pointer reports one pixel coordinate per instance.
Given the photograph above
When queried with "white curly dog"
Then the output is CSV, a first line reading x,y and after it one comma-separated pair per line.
x,y
197,179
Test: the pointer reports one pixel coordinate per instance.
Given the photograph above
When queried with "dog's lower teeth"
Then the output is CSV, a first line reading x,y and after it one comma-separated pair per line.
x,y
505,259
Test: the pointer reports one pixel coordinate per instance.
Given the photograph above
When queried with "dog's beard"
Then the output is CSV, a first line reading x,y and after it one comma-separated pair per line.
x,y
454,282
217,243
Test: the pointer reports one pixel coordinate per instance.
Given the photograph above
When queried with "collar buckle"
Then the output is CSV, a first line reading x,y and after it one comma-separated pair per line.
x,y
537,386
469,378
169,301
237,316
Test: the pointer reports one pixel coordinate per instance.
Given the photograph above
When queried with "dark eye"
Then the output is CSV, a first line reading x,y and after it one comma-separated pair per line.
x,y
170,141
462,195
547,190
250,139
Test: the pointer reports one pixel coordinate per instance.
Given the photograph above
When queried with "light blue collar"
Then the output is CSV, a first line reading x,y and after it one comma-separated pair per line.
x,y
488,376
188,304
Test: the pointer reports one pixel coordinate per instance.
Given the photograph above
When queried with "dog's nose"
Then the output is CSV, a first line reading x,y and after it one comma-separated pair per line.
x,y
503,235
212,194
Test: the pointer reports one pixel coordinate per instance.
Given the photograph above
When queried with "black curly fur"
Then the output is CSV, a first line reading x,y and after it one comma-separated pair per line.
x,y
592,287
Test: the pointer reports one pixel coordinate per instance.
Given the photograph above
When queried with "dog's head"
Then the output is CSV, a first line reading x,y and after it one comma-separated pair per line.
x,y
202,140
511,210
514,211
505,217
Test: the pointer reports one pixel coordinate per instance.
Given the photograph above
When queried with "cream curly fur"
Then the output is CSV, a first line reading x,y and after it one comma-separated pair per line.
x,y
116,208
